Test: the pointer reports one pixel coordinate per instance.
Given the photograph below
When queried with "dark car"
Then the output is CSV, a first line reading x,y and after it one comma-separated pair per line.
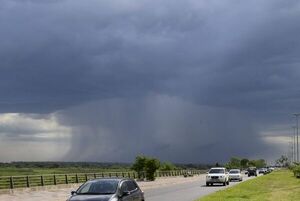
x,y
108,189
252,171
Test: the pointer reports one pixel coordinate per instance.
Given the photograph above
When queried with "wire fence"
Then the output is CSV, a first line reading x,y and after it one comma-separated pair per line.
x,y
27,181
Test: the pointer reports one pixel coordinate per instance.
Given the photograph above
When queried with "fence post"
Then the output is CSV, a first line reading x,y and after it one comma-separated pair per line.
x,y
11,182
42,180
109,174
95,176
86,178
102,174
66,178
54,179
76,178
27,181
117,175
128,174
134,175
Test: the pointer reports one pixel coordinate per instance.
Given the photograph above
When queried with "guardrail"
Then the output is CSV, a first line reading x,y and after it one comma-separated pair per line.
x,y
27,181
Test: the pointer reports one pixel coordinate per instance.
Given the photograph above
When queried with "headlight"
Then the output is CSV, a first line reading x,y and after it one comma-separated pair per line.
x,y
208,177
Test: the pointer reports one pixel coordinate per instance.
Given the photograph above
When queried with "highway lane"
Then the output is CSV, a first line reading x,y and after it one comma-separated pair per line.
x,y
186,191
162,189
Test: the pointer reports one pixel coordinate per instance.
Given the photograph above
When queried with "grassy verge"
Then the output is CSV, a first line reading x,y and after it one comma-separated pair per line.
x,y
279,185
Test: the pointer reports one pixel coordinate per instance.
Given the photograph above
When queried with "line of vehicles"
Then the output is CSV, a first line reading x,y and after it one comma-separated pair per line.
x,y
220,175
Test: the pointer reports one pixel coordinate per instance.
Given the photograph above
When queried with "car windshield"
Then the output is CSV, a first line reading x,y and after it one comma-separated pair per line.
x,y
99,187
217,171
234,171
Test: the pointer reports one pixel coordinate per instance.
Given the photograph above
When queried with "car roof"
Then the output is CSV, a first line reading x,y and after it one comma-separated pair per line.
x,y
119,179
218,168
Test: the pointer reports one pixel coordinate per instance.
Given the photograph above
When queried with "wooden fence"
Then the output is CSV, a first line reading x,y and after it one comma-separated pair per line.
x,y
12,182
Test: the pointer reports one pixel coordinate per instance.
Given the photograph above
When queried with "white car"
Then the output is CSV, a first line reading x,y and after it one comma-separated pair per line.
x,y
235,174
217,175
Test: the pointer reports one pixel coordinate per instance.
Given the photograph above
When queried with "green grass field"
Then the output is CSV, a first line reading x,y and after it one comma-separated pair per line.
x,y
277,186
12,171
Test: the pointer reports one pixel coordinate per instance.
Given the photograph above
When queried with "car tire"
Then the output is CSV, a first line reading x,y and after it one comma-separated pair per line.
x,y
224,184
207,184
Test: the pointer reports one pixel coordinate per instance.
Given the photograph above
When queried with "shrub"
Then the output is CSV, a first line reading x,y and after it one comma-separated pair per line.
x,y
146,164
296,171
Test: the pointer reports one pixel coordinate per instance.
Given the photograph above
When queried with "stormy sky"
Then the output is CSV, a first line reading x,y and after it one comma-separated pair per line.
x,y
185,81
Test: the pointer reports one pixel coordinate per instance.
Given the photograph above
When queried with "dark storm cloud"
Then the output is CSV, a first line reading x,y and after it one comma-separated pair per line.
x,y
161,126
76,56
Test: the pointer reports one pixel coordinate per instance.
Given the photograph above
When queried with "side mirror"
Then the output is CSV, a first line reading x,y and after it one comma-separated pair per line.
x,y
73,192
125,193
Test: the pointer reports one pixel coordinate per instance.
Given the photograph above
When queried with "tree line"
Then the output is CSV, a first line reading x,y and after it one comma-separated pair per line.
x,y
243,163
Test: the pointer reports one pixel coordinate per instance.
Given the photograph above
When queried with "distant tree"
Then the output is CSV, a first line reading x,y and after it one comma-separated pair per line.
x,y
139,165
252,163
261,163
146,166
283,161
167,166
151,165
234,163
257,163
244,163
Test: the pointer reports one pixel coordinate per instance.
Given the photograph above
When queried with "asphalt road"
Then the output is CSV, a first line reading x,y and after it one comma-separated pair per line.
x,y
185,192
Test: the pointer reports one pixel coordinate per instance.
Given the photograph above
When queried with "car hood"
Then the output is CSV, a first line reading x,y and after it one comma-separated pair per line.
x,y
234,174
90,197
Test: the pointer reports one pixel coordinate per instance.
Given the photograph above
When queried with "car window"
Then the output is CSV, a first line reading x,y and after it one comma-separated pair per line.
x,y
85,188
124,187
99,187
234,171
131,185
217,171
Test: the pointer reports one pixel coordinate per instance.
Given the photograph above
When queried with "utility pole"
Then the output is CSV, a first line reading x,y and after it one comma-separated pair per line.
x,y
297,125
294,144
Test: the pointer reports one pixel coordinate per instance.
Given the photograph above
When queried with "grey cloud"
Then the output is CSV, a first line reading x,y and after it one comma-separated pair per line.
x,y
162,126
69,52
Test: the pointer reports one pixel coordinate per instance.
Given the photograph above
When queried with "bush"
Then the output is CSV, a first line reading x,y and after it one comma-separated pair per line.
x,y
296,171
151,166
145,164
139,165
